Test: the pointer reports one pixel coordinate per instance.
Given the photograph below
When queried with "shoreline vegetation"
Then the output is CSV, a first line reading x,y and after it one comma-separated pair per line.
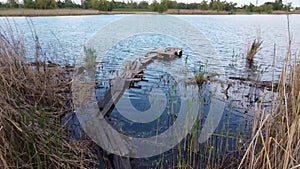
x,y
70,12
64,12
97,7
34,102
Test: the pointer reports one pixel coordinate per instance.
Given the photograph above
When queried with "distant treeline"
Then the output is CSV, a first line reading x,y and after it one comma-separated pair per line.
x,y
161,6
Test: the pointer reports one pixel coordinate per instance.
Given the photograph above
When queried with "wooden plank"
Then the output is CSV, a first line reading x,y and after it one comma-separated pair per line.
x,y
130,73
134,80
117,90
121,162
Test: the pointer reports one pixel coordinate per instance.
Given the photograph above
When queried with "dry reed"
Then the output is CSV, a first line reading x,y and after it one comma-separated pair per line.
x,y
32,104
276,134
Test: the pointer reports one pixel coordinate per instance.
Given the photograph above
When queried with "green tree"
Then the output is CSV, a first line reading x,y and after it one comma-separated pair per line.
x,y
45,4
172,5
60,4
267,8
192,6
29,4
120,4
278,5
51,4
143,5
250,8
12,4
164,4
40,4
162,8
230,6
217,5
181,5
104,5
259,9
69,4
88,4
132,4
203,5
287,7
154,5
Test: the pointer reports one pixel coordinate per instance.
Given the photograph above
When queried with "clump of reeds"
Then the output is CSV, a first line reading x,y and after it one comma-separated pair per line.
x,y
254,48
200,76
90,58
32,104
276,134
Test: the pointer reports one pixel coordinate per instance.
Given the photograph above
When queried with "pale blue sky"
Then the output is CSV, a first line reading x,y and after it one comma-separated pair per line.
x,y
239,2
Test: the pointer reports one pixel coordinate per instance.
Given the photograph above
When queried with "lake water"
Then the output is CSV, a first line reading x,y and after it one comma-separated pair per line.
x,y
221,42
62,38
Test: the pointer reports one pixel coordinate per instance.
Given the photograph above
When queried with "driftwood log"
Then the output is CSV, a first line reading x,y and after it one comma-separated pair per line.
x,y
261,84
132,73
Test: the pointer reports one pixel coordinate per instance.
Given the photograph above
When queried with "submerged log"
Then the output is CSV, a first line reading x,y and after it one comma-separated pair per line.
x,y
260,84
121,162
132,73
166,54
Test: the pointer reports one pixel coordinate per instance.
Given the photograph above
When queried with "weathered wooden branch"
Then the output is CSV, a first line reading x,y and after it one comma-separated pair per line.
x,y
132,73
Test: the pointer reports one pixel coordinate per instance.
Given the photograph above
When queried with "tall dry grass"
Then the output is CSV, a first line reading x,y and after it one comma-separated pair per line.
x,y
32,104
276,134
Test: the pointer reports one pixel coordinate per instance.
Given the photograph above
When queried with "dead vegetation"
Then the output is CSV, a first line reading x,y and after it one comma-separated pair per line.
x,y
33,102
32,105
276,134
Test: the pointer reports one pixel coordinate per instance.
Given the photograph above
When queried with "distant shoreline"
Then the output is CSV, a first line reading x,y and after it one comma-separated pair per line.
x,y
211,12
70,12
62,12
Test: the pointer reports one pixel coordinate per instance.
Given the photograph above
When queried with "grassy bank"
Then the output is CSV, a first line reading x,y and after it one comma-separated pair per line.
x,y
33,102
69,12
214,12
195,12
63,12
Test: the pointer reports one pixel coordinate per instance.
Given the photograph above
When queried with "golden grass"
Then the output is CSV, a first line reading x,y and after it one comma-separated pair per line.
x,y
214,12
286,12
32,104
66,12
276,134
62,12
46,12
195,12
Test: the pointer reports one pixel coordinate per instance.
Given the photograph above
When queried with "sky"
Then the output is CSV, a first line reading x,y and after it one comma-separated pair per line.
x,y
295,3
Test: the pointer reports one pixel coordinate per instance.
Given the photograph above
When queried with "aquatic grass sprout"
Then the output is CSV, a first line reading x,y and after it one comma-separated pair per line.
x,y
90,58
200,76
254,48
